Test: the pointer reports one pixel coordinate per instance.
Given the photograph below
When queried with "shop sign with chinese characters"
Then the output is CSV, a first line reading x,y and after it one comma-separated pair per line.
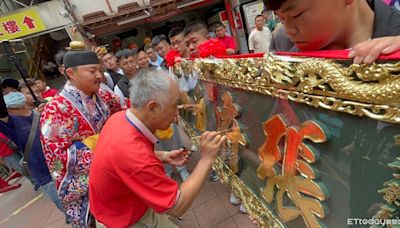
x,y
20,24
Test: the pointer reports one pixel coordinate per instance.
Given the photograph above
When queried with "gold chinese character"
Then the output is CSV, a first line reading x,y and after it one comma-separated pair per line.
x,y
305,193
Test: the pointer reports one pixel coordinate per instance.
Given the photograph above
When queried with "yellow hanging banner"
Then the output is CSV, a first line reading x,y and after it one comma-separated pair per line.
x,y
20,24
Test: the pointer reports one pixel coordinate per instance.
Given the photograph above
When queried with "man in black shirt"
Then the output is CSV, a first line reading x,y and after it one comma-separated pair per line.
x,y
127,61
112,72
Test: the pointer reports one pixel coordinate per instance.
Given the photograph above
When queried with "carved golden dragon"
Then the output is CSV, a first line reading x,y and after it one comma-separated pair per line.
x,y
363,90
376,83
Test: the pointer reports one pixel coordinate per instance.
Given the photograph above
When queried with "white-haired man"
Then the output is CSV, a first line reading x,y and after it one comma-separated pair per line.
x,y
128,184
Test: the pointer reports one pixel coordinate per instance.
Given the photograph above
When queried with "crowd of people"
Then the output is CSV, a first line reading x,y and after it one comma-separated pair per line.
x,y
105,146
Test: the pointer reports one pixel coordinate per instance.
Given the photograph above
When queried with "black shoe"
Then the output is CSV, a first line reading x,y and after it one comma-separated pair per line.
x,y
36,187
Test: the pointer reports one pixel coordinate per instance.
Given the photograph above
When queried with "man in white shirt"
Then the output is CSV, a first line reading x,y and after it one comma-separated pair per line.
x,y
155,59
260,37
161,45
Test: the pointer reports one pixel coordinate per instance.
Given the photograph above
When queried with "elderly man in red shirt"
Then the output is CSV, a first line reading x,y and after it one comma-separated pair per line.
x,y
228,41
128,185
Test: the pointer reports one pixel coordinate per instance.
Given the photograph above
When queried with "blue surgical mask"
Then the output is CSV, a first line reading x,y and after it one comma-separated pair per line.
x,y
14,100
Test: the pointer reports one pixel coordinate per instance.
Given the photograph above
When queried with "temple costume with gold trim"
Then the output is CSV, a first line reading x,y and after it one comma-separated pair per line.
x,y
70,124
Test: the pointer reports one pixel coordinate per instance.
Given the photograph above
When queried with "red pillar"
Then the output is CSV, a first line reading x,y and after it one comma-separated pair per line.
x,y
231,21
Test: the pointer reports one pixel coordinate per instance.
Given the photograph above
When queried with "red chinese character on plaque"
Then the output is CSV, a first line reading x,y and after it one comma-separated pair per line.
x,y
11,27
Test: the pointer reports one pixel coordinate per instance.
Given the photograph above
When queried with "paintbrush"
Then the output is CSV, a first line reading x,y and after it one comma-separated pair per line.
x,y
219,132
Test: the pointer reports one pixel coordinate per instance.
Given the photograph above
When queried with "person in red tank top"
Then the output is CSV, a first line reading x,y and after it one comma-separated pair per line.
x,y
46,91
228,41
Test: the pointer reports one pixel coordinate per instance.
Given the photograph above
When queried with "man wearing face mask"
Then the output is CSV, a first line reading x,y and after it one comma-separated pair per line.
x,y
70,124
5,150
22,132
15,102
30,102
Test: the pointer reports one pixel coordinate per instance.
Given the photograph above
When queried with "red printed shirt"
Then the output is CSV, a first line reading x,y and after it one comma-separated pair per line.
x,y
126,177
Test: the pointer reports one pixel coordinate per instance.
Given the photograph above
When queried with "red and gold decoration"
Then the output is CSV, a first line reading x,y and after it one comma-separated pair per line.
x,y
362,90
172,57
298,178
293,190
212,47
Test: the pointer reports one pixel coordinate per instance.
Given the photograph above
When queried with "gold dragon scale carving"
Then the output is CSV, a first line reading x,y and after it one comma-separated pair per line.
x,y
363,90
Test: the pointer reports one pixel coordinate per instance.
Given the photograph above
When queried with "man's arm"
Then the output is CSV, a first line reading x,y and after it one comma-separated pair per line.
x,y
210,144
161,155
231,50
